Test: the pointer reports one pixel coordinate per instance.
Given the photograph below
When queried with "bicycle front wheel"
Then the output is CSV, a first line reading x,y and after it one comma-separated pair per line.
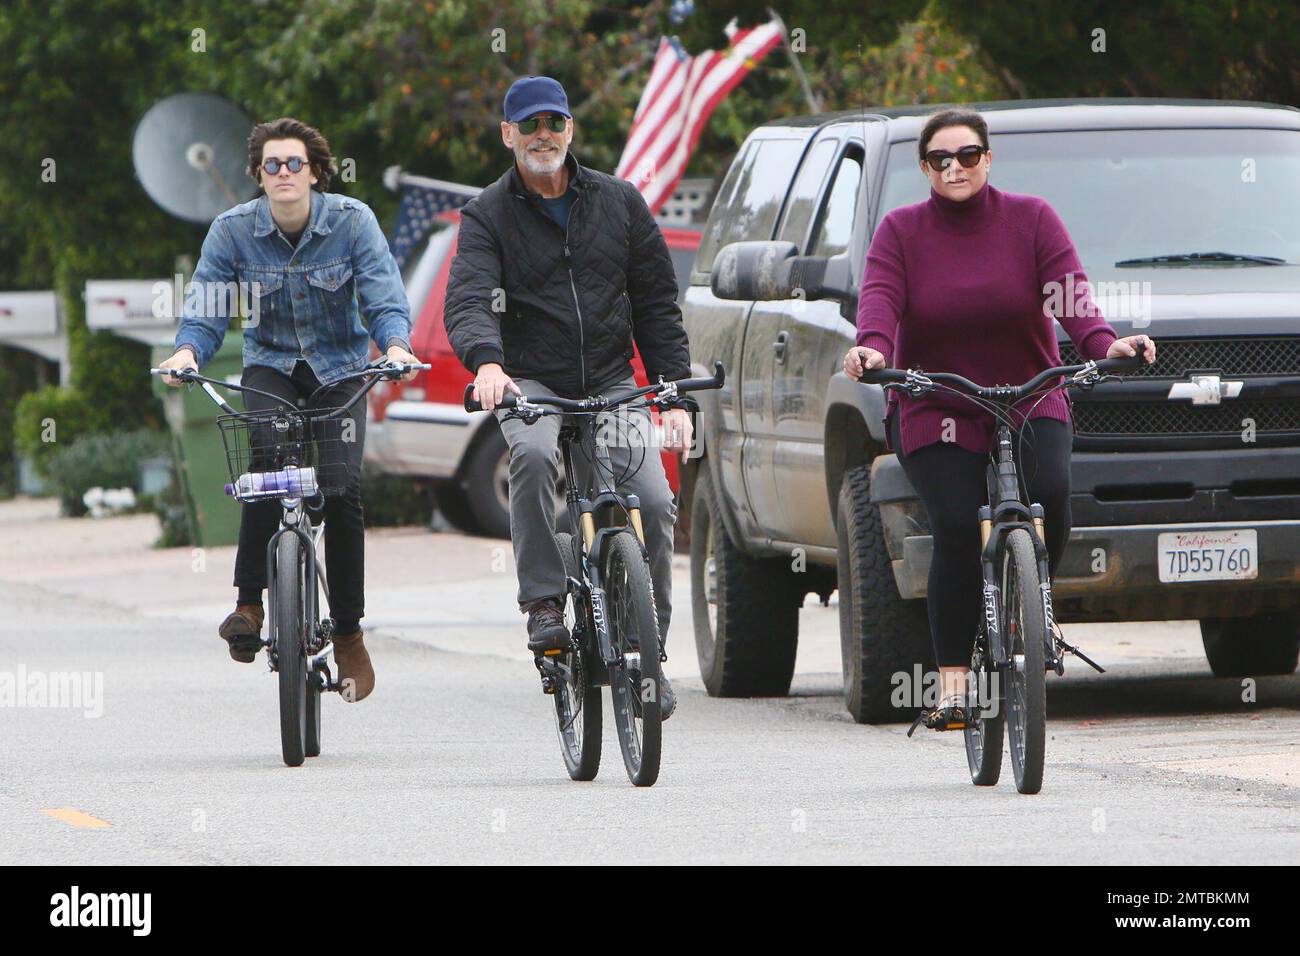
x,y
577,699
634,680
289,615
1025,628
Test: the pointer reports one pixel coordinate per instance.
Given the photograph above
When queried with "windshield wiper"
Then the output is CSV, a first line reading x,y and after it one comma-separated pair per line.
x,y
1186,258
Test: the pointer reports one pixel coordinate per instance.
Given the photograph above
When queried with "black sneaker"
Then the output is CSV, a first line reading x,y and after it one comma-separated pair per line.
x,y
667,698
546,630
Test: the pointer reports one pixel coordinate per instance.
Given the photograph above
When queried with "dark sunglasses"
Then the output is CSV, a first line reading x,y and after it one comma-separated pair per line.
x,y
295,164
556,124
968,156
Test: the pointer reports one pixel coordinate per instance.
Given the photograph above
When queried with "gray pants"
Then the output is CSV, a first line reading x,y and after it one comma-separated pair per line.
x,y
534,469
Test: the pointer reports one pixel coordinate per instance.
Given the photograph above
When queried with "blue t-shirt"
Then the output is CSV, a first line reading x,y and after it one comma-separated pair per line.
x,y
558,208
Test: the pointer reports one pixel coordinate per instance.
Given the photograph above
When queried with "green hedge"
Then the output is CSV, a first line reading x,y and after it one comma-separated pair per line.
x,y
391,501
49,420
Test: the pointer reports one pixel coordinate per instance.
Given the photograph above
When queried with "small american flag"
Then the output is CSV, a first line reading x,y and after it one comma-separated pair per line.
x,y
681,95
422,200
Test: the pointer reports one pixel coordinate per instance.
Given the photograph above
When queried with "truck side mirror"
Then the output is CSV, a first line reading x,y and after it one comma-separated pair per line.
x,y
771,271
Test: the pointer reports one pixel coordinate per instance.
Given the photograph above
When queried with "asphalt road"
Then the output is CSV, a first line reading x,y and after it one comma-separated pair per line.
x,y
454,758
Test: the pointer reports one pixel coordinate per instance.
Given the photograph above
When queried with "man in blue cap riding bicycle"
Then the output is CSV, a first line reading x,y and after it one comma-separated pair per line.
x,y
559,270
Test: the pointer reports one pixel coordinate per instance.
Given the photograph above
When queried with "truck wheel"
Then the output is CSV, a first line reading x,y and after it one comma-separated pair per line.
x,y
745,613
454,505
487,483
881,634
1252,646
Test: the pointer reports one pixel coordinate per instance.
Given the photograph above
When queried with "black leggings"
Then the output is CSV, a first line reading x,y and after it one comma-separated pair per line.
x,y
344,521
953,485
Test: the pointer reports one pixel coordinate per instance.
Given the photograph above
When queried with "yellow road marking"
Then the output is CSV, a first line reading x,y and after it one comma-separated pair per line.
x,y
75,818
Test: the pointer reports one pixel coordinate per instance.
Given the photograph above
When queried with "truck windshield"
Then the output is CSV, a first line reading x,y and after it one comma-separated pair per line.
x,y
1175,196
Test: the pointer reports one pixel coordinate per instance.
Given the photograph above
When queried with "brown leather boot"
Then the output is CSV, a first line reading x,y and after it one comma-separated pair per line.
x,y
356,676
242,630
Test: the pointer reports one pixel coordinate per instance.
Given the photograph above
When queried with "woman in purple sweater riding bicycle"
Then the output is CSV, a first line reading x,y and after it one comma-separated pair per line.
x,y
970,281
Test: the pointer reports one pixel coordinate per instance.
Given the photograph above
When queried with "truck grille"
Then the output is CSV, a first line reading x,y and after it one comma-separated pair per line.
x,y
1183,418
1270,355
1274,355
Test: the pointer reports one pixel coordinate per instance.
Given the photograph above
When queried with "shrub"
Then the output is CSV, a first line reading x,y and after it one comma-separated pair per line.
x,y
47,421
107,460
395,500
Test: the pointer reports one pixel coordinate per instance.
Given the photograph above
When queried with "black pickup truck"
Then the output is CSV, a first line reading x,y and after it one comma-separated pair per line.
x,y
1186,215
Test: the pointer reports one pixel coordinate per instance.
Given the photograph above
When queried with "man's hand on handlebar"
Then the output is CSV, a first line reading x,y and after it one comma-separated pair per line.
x,y
1127,347
678,431
182,360
400,356
859,358
490,383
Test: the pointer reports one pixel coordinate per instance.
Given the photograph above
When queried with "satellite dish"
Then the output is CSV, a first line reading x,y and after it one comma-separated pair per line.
x,y
190,151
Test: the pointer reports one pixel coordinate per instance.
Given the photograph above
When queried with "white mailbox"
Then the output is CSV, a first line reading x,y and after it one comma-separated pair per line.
x,y
140,309
30,321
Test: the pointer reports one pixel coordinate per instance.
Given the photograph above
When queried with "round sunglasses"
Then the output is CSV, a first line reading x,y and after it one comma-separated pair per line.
x,y
555,124
968,156
295,164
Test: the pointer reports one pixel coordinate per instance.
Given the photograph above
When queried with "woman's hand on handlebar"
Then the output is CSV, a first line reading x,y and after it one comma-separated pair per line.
x,y
860,358
183,360
1127,348
490,383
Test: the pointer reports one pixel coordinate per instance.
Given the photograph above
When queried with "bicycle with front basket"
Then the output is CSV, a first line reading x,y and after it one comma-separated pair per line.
x,y
1017,641
297,456
610,605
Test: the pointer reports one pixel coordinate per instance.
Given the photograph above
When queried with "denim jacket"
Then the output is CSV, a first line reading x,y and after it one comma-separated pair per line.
x,y
301,303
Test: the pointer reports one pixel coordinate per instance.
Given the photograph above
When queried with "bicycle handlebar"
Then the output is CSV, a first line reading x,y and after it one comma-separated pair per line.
x,y
381,370
599,403
916,382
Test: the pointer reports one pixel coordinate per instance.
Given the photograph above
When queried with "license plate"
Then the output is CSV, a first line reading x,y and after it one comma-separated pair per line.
x,y
1208,555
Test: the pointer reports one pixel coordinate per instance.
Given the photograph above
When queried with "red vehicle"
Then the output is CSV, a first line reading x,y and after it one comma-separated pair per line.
x,y
420,428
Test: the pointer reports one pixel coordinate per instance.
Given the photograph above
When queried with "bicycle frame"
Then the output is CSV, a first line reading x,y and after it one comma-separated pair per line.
x,y
582,515
996,521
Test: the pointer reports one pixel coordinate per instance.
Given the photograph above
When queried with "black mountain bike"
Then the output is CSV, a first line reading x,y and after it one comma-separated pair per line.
x,y
1017,642
298,456
610,607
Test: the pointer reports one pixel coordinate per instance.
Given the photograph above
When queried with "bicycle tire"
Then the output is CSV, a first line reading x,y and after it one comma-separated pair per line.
x,y
634,629
984,737
578,721
1025,629
315,685
291,647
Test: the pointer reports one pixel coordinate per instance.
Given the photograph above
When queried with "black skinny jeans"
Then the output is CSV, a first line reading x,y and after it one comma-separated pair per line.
x,y
344,524
952,484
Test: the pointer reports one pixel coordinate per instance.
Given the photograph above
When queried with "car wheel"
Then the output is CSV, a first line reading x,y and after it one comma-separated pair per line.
x,y
745,612
1252,646
881,634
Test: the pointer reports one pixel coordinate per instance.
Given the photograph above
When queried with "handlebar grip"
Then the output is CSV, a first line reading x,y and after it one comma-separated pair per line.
x,y
1124,364
882,376
472,405
692,384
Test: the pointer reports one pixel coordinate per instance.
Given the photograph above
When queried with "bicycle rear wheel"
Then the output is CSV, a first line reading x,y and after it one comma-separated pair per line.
x,y
577,700
984,735
634,682
1025,628
289,615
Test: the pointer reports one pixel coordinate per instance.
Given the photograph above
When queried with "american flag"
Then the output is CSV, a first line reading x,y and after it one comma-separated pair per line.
x,y
681,95
422,200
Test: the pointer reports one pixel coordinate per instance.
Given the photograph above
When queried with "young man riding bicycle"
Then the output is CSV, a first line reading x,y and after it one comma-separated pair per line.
x,y
559,269
303,258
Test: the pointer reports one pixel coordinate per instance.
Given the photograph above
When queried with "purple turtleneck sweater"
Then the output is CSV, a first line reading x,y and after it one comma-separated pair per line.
x,y
963,287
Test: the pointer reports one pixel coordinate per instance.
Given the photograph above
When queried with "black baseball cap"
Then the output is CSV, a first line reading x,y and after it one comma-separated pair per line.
x,y
530,95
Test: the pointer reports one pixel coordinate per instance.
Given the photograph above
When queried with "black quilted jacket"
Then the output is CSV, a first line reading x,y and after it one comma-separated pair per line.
x,y
564,310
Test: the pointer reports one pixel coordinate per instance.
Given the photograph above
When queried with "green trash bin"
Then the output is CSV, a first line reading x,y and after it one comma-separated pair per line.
x,y
196,443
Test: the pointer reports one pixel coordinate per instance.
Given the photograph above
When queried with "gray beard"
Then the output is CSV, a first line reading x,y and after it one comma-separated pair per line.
x,y
538,166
